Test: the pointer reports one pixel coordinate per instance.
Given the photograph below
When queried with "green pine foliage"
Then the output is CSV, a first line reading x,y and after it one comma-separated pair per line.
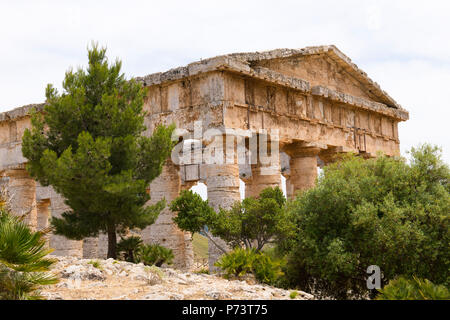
x,y
89,144
23,263
413,289
385,212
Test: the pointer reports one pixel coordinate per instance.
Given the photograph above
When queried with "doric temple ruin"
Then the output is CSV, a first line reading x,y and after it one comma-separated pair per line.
x,y
316,100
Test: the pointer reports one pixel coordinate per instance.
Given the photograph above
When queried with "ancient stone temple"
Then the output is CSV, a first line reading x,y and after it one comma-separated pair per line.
x,y
299,107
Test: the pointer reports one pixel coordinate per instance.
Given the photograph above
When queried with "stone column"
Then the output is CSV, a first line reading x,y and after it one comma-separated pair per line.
x,y
222,181
96,247
22,194
61,245
263,176
303,167
164,232
43,214
90,248
266,172
289,188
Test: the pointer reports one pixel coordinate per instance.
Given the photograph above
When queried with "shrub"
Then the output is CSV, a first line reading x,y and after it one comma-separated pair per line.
x,y
128,247
154,275
240,262
202,271
96,264
413,289
251,224
293,294
383,212
154,254
237,263
254,222
23,266
266,270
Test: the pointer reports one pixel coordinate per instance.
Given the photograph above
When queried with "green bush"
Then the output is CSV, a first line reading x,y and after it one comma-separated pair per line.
x,y
96,264
266,270
23,266
237,263
252,223
413,289
384,211
128,247
240,262
154,254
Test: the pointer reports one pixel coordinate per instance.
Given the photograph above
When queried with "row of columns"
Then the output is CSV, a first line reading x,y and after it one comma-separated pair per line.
x,y
23,201
222,182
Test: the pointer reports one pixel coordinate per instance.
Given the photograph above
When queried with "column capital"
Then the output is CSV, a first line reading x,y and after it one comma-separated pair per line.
x,y
331,154
303,149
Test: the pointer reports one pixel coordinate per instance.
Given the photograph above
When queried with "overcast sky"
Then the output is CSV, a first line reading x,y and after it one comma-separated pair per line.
x,y
403,45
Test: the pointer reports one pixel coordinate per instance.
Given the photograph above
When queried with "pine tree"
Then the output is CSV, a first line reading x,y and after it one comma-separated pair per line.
x,y
88,144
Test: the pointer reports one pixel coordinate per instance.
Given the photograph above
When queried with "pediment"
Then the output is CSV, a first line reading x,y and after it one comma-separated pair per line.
x,y
321,66
320,70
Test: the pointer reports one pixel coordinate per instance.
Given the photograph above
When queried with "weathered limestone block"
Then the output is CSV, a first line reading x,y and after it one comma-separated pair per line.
x,y
103,245
43,217
11,155
164,232
290,194
303,167
330,155
262,177
90,248
96,247
22,194
43,214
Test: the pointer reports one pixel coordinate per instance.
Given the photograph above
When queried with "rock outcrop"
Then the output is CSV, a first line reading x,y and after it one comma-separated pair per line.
x,y
84,279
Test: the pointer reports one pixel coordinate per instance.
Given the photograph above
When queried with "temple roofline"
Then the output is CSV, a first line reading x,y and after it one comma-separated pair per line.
x,y
242,63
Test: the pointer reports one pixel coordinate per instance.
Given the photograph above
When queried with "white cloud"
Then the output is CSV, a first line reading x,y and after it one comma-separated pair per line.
x,y
403,45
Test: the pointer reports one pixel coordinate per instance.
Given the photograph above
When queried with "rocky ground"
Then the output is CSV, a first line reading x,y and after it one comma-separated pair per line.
x,y
85,279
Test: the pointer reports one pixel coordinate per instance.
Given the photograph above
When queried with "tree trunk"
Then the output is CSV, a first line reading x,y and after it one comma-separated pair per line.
x,y
112,241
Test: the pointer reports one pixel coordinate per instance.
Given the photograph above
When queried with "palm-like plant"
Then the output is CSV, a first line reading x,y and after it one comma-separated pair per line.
x,y
154,254
23,266
129,246
413,289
